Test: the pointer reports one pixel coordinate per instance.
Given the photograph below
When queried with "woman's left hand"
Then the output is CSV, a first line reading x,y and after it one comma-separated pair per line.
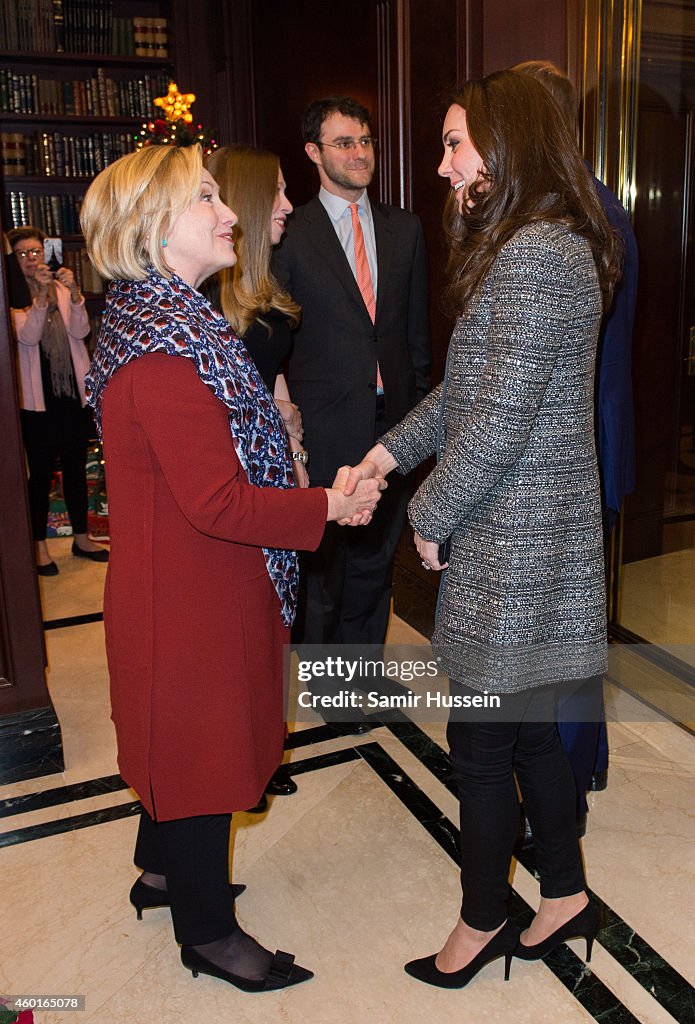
x,y
66,277
428,550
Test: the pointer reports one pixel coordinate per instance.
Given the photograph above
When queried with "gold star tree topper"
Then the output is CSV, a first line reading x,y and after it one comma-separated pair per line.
x,y
176,104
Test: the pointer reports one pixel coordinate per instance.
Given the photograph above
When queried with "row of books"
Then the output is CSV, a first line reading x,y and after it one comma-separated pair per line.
x,y
98,96
55,215
52,154
82,267
79,26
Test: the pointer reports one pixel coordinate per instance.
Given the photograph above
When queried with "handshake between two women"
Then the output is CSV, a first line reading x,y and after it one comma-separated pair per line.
x,y
354,495
374,467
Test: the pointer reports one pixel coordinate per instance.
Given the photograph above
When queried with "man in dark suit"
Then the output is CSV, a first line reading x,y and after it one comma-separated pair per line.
x,y
361,359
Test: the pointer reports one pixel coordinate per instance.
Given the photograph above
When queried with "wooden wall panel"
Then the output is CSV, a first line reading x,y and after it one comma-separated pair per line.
x,y
22,679
302,51
530,30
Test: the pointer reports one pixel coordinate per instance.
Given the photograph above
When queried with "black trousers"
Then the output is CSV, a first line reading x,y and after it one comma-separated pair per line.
x,y
48,436
345,585
485,755
193,854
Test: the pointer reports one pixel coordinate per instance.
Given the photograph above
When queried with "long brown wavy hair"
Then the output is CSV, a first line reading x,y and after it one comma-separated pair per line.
x,y
534,171
248,181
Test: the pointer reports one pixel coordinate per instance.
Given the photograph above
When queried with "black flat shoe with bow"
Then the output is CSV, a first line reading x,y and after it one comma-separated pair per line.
x,y
282,972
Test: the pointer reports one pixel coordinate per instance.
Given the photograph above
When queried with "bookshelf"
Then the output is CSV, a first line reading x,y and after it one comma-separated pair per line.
x,y
77,79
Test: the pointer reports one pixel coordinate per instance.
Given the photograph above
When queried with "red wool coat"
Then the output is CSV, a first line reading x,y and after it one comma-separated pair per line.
x,y
194,633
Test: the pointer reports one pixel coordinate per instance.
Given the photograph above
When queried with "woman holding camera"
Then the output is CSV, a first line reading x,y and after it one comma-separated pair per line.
x,y
52,363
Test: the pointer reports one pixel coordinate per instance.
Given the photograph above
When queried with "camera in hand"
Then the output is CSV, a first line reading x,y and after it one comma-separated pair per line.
x,y
53,253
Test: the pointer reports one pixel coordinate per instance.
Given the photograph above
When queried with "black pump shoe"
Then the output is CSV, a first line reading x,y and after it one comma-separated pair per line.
x,y
147,897
280,783
503,943
282,972
583,925
101,555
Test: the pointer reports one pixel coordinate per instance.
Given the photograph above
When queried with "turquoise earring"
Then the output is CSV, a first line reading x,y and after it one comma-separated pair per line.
x,y
164,242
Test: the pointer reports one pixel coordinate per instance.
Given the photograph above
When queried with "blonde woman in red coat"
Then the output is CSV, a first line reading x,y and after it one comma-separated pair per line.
x,y
205,518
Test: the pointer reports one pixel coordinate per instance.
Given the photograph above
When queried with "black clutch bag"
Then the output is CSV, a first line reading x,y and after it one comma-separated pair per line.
x,y
444,551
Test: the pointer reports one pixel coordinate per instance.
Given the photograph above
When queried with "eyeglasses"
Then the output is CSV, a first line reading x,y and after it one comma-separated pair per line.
x,y
366,142
23,253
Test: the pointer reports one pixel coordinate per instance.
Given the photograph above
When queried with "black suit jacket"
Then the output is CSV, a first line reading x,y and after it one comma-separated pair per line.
x,y
332,369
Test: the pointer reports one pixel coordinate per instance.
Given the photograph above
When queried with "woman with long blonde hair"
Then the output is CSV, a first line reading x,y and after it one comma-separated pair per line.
x,y
258,309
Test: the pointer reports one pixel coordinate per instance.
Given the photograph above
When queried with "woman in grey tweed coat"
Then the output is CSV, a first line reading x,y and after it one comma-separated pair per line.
x,y
516,488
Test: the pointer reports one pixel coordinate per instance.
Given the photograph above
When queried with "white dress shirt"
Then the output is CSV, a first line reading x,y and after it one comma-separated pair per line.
x,y
338,210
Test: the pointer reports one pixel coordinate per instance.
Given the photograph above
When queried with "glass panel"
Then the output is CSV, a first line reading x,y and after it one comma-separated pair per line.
x,y
657,593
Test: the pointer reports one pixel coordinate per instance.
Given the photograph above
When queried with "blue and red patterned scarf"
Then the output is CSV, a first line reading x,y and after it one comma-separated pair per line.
x,y
160,315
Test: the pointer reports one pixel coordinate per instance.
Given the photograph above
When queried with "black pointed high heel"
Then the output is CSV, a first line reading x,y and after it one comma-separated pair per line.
x,y
282,973
147,897
503,943
583,925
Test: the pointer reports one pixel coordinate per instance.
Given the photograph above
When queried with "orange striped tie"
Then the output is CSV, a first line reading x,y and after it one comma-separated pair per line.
x,y
363,276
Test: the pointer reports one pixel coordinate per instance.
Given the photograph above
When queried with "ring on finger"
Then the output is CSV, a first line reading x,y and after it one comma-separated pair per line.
x,y
426,565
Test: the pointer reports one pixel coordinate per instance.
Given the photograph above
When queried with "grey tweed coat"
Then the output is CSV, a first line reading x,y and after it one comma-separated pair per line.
x,y
523,601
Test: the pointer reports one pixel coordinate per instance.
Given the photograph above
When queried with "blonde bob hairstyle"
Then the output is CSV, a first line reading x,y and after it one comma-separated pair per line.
x,y
130,208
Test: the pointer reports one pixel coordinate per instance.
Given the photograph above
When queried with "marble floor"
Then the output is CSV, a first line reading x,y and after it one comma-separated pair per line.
x,y
356,873
657,599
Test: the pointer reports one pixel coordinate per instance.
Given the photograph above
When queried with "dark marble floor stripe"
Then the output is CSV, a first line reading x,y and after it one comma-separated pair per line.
x,y
74,620
662,981
61,795
55,828
592,994
114,783
305,737
312,764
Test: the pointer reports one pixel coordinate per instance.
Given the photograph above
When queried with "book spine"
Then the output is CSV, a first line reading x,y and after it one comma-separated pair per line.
x,y
92,164
101,93
107,31
15,210
58,26
162,38
58,152
72,157
31,155
140,37
111,107
45,155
